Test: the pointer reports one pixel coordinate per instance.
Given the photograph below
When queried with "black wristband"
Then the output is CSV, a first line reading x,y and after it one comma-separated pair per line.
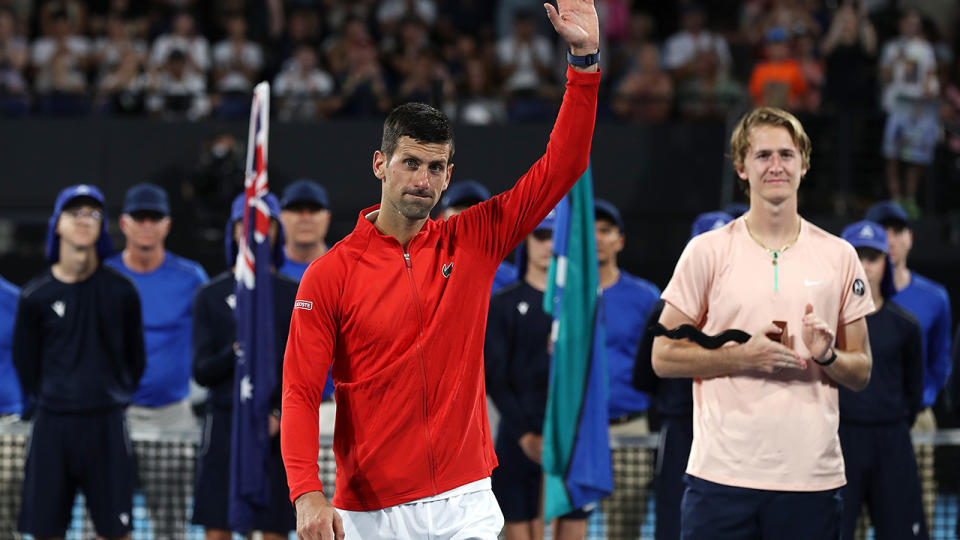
x,y
828,361
583,61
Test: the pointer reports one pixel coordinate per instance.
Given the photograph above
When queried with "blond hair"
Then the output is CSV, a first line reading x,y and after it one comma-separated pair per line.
x,y
767,116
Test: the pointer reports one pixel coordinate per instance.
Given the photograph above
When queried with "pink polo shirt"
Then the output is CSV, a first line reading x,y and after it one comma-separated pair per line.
x,y
751,429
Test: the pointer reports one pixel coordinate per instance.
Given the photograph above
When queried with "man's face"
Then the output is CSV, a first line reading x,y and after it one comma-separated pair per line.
x,y
901,241
145,230
305,223
540,249
79,225
414,176
609,241
773,165
272,232
874,263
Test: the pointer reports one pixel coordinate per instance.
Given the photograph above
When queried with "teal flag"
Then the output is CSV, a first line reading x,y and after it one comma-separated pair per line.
x,y
576,446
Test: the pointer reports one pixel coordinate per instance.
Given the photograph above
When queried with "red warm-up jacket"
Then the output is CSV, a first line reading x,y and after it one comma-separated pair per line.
x,y
404,332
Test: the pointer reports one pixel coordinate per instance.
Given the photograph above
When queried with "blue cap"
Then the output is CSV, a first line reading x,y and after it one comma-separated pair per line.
x,y
548,222
603,208
870,234
236,214
709,221
304,191
736,209
888,213
776,35
146,197
867,234
466,191
64,199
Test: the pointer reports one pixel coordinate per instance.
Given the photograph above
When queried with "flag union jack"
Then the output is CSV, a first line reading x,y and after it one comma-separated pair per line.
x,y
256,216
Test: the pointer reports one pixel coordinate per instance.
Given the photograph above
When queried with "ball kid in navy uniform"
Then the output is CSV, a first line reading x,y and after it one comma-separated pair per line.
x,y
881,466
79,352
214,357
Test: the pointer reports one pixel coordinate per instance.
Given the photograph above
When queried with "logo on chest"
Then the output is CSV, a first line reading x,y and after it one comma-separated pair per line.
x,y
59,308
447,269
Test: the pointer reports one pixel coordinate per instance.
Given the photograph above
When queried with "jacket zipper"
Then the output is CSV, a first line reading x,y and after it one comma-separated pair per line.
x,y
423,371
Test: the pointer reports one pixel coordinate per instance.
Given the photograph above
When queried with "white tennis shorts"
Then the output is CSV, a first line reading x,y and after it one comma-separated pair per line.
x,y
469,512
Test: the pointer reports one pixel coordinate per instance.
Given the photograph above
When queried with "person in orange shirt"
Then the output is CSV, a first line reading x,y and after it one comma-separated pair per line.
x,y
779,81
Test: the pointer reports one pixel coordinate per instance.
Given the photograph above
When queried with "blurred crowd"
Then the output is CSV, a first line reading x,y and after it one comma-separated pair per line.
x,y
482,62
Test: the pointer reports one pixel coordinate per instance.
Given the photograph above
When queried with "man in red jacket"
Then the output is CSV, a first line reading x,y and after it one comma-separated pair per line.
x,y
398,308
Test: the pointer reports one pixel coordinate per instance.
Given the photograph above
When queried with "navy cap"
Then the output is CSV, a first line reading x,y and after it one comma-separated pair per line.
x,y
466,191
146,197
602,208
70,196
709,221
888,213
304,191
867,234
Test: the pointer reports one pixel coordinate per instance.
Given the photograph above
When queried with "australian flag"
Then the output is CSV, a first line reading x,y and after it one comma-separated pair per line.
x,y
255,375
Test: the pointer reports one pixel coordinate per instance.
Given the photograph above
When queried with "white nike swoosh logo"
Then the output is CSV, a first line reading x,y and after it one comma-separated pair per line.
x,y
811,283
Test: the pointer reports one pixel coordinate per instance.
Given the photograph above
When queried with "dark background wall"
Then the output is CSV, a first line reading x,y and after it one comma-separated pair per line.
x,y
659,176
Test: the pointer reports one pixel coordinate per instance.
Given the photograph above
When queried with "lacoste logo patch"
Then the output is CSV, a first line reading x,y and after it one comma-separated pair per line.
x,y
59,308
303,304
447,269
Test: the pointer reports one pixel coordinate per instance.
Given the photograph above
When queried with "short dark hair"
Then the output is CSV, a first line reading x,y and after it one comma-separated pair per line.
x,y
420,122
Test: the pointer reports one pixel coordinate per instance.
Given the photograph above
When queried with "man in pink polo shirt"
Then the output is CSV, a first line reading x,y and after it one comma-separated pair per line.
x,y
766,459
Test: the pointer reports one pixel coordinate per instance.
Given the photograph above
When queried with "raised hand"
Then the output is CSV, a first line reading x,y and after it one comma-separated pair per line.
x,y
576,21
817,335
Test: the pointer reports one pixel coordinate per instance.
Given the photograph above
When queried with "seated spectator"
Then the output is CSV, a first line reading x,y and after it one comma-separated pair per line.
x,y
623,55
237,62
405,49
758,17
182,38
478,102
59,61
177,91
646,93
812,67
110,50
337,48
392,12
849,49
14,54
304,91
525,59
778,81
680,49
122,90
709,93
302,28
364,91
428,82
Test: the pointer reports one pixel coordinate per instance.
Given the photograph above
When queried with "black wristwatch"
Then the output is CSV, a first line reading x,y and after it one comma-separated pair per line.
x,y
583,61
828,361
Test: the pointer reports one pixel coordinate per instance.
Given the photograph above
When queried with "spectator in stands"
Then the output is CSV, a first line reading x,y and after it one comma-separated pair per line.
x,y
624,55
812,68
214,358
299,31
121,61
908,74
11,396
478,101
778,81
406,47
646,93
166,284
352,34
760,16
110,50
849,48
392,12
60,60
462,195
177,91
878,455
627,301
525,59
78,349
929,302
363,85
14,55
709,92
237,62
304,91
517,365
680,50
428,82
183,38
